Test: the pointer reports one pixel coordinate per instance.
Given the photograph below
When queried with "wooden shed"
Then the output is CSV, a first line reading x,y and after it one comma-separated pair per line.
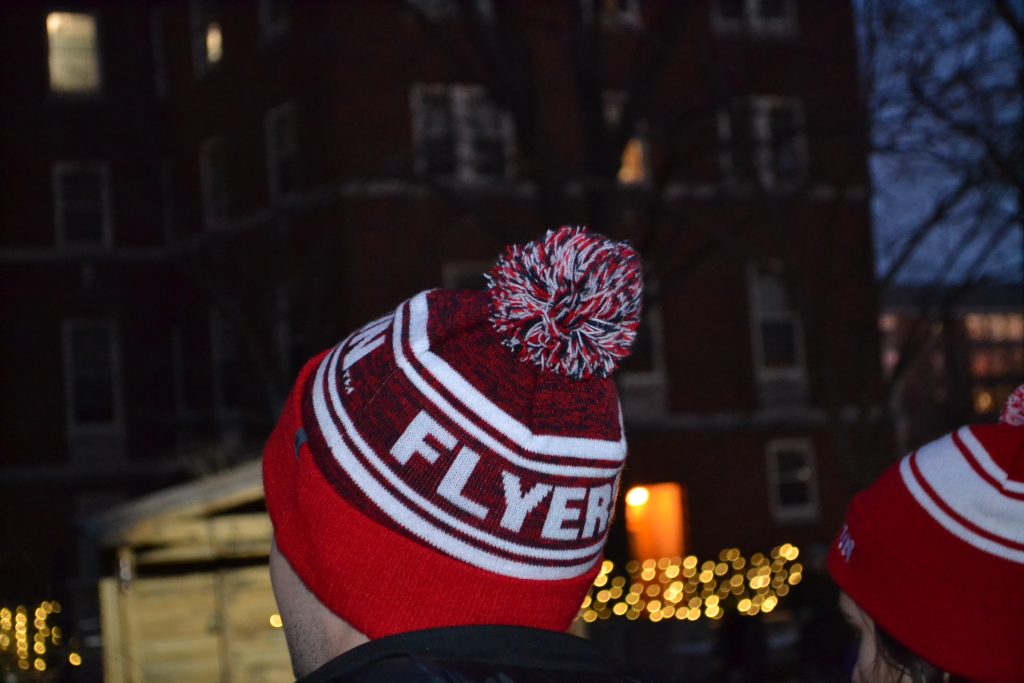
x,y
191,599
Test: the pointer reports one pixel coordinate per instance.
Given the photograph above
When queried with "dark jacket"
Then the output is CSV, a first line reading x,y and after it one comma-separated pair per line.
x,y
471,654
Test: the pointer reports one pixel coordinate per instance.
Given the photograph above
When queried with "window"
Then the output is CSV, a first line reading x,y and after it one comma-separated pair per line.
x,y
778,341
156,33
448,10
995,358
642,380
633,168
74,58
227,367
459,133
167,188
890,329
465,274
656,521
82,205
273,18
792,479
995,327
619,13
91,360
758,17
213,176
279,127
763,142
207,39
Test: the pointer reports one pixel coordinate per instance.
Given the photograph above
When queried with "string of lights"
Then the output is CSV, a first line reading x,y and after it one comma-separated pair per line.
x,y
31,645
688,589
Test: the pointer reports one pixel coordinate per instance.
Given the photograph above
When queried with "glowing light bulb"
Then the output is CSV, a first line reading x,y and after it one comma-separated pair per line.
x,y
637,496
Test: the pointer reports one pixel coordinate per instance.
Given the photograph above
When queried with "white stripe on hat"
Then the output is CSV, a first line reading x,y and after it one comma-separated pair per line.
x,y
981,455
471,427
415,523
968,495
488,411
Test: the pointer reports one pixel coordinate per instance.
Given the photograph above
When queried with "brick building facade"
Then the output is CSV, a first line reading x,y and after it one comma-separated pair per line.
x,y
199,195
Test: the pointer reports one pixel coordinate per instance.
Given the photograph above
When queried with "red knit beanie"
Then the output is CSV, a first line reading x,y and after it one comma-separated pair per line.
x,y
457,461
934,550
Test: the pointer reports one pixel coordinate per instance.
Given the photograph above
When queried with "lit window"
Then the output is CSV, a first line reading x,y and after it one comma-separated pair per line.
x,y
207,39
73,53
778,342
763,142
792,479
632,168
633,161
983,402
82,205
91,375
213,175
656,521
281,151
758,17
458,132
995,327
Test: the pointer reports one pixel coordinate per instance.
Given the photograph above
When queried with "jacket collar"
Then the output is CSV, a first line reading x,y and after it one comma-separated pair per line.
x,y
505,645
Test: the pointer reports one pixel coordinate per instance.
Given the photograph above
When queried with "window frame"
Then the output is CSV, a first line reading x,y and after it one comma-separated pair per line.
x,y
116,426
93,94
652,385
762,143
63,167
443,11
157,28
797,371
269,28
460,98
783,513
628,19
454,273
210,220
218,323
286,110
752,23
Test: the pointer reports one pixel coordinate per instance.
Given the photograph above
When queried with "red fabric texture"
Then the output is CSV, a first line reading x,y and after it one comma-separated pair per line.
x,y
384,576
956,606
546,402
452,464
379,581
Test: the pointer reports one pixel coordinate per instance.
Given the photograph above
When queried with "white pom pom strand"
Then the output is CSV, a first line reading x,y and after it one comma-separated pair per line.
x,y
1013,411
569,302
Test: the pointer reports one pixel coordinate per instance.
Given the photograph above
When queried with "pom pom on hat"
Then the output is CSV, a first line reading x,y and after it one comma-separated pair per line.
x,y
569,302
1013,411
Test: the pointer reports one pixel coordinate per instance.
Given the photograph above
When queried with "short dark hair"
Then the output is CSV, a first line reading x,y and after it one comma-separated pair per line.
x,y
913,665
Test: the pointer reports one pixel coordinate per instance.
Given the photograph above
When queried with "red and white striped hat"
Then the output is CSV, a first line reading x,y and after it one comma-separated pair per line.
x,y
934,550
457,461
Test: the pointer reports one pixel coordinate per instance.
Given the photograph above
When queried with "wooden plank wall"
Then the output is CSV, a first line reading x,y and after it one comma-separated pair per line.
x,y
209,627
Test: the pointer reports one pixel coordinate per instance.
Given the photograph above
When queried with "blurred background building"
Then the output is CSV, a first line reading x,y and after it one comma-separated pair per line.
x,y
200,195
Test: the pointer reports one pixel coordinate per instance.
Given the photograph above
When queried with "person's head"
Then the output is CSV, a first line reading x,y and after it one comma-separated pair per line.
x,y
883,659
457,462
931,560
